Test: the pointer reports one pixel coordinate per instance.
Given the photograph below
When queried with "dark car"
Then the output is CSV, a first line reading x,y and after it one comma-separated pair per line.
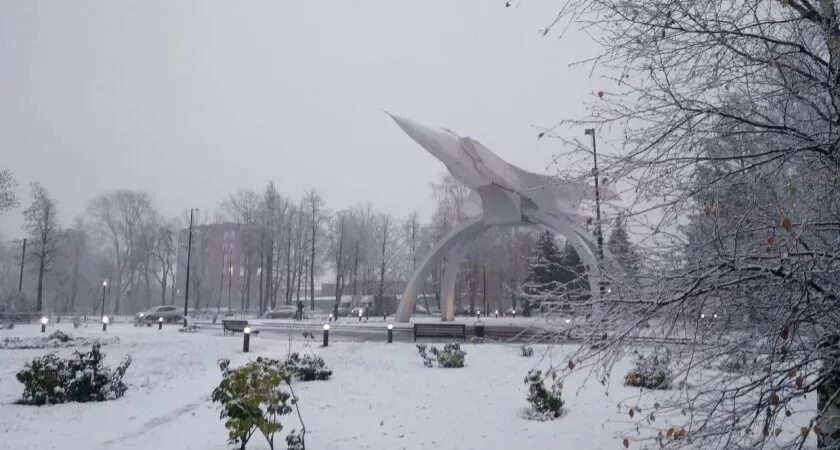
x,y
281,312
169,313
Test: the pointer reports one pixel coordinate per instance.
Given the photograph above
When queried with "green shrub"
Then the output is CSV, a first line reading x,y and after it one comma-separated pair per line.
x,y
652,371
43,381
546,401
81,378
59,336
450,357
307,368
735,362
252,399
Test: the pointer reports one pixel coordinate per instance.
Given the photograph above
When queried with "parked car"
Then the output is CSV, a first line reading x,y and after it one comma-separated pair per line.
x,y
363,307
281,312
169,313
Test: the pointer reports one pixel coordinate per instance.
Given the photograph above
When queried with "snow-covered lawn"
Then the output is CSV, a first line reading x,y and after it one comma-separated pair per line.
x,y
380,397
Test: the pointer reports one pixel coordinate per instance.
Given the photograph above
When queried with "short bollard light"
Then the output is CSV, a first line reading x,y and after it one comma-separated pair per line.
x,y
105,323
390,333
514,313
497,313
331,317
360,314
327,334
44,322
478,314
160,323
479,329
246,339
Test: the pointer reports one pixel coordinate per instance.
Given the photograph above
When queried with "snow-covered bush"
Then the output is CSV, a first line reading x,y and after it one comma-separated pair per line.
x,y
547,402
652,371
428,361
294,441
252,400
527,351
81,378
307,368
57,339
734,363
59,336
77,321
451,356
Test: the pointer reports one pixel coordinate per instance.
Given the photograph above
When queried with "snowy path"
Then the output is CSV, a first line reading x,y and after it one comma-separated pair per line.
x,y
380,397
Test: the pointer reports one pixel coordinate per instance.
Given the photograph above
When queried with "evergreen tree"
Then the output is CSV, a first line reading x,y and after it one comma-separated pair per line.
x,y
544,273
554,275
621,248
573,276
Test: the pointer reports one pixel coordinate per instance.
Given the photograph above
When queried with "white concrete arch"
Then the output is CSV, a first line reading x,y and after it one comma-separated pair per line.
x,y
453,244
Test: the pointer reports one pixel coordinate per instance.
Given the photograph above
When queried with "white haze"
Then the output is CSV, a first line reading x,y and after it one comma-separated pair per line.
x,y
192,100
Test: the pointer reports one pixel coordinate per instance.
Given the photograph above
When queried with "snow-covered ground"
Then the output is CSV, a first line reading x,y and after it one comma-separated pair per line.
x,y
380,397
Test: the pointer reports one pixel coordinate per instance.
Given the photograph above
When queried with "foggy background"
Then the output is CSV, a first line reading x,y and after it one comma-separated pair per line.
x,y
191,100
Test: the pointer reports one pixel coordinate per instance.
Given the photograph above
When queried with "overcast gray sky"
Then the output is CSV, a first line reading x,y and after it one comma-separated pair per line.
x,y
192,100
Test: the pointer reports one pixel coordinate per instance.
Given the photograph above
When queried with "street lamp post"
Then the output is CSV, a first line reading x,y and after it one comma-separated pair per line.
x,y
22,259
104,285
230,275
189,251
599,231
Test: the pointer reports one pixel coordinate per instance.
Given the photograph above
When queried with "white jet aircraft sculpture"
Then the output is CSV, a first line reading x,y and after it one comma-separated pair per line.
x,y
502,194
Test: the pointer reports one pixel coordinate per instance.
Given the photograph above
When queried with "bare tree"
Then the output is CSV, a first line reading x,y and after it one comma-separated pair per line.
x,y
8,198
387,258
410,235
271,203
164,253
340,255
41,222
289,258
199,266
243,208
728,113
314,205
77,243
123,217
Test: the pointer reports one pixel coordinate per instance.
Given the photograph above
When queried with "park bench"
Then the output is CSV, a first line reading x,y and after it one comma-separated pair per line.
x,y
234,325
440,330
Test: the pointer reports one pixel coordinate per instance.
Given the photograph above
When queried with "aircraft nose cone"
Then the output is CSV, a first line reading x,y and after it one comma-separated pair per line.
x,y
440,144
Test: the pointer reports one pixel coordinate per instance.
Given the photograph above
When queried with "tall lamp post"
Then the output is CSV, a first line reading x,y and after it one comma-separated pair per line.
x,y
189,251
230,275
104,286
22,259
591,132
20,280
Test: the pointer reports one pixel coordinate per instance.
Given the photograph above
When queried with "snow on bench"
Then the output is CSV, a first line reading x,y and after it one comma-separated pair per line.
x,y
440,330
234,325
